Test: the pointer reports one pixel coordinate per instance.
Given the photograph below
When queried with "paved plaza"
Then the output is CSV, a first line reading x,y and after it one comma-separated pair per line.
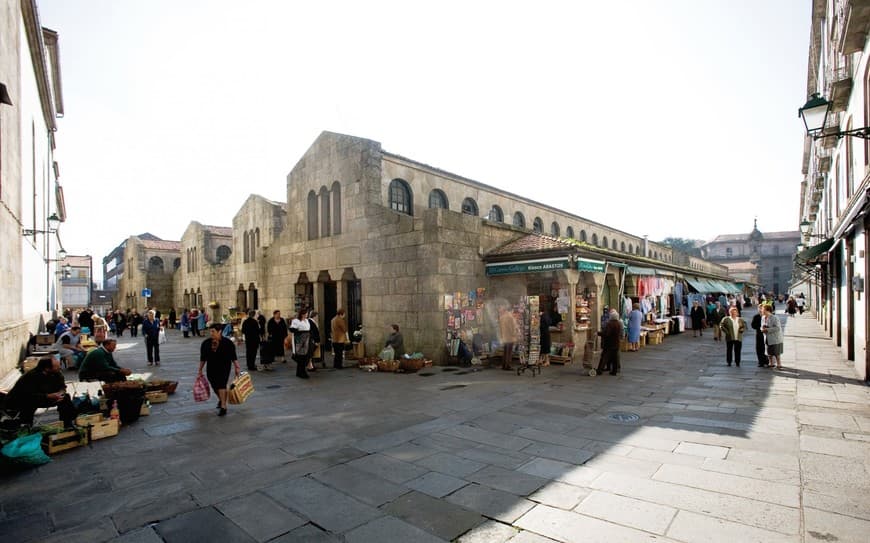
x,y
678,448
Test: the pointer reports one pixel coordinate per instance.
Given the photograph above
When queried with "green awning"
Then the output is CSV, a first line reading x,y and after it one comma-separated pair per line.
x,y
637,270
589,265
527,266
701,286
808,254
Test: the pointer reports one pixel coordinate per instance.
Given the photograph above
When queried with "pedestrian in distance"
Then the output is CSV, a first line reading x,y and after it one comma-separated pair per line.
x,y
219,353
338,333
714,319
184,323
760,347
276,330
801,303
299,342
698,319
194,322
791,306
772,329
635,320
172,318
733,327
251,333
316,351
151,331
610,336
507,332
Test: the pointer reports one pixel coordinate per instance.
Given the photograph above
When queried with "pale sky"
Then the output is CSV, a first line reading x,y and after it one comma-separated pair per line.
x,y
657,117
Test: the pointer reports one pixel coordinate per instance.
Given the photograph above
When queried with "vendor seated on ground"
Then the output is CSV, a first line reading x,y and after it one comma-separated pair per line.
x,y
100,364
43,386
395,341
69,347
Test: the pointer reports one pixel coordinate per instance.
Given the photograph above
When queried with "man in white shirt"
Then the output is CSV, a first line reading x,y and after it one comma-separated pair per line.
x,y
69,347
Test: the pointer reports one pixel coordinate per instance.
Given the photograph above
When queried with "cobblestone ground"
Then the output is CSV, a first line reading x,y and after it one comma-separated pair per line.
x,y
716,454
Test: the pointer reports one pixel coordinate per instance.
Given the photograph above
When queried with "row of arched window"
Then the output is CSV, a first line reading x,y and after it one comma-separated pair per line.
x,y
155,264
401,199
250,244
324,212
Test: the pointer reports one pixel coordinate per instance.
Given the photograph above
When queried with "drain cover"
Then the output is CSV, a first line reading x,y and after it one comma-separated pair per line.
x,y
623,417
274,386
449,387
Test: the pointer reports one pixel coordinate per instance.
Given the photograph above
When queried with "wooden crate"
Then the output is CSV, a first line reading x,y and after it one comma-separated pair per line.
x,y
655,338
85,420
157,397
104,429
145,410
70,439
44,339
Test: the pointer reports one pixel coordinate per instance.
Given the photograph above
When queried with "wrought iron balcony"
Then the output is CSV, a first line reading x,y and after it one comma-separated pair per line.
x,y
853,20
840,87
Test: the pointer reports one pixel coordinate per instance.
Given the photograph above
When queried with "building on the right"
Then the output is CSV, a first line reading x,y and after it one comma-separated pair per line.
x,y
831,262
759,258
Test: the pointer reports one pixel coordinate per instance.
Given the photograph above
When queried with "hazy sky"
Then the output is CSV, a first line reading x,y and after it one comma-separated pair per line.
x,y
657,117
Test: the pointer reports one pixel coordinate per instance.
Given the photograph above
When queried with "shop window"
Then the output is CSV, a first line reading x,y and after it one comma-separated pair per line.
x,y
622,246
583,236
496,214
555,230
155,264
595,240
400,197
569,232
469,207
604,242
325,221
312,215
336,211
519,220
538,225
438,200
223,253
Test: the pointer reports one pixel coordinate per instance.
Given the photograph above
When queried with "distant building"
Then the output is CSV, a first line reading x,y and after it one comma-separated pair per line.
x,y
770,255
148,265
77,288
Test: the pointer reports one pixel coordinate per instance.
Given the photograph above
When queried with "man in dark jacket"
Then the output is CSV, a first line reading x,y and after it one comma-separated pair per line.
x,y
100,364
610,336
151,331
251,333
43,386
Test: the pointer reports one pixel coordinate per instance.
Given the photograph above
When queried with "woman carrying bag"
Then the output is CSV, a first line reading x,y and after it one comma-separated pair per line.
x,y
219,353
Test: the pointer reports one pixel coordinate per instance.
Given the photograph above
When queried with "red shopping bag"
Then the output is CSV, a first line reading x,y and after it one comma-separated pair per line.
x,y
201,390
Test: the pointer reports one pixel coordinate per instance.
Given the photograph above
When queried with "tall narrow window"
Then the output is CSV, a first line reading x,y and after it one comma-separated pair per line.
x,y
325,220
246,247
519,220
613,244
400,197
622,246
469,207
336,211
604,242
595,240
312,215
583,236
438,200
538,225
496,214
555,231
630,248
569,232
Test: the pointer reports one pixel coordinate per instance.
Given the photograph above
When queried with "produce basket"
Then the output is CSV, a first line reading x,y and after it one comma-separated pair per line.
x,y
414,364
388,365
161,386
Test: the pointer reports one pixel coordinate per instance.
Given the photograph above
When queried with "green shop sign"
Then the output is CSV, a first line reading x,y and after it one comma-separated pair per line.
x,y
527,266
584,264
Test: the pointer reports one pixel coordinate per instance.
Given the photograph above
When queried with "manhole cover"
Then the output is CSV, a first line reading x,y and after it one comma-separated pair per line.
x,y
449,387
426,374
274,386
623,417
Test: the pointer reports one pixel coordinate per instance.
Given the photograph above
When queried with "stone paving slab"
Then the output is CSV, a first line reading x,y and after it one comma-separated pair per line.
x,y
307,534
260,516
202,526
688,526
436,517
327,507
492,503
698,449
361,485
436,484
389,529
389,468
142,535
646,516
495,456
521,484
451,464
571,527
489,532
559,452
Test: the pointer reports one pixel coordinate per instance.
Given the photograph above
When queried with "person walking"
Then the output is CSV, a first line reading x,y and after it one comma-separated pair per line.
x,y
316,351
151,331
697,315
219,353
299,342
135,322
760,349
184,324
733,327
120,321
172,318
801,303
635,319
338,333
194,322
714,319
276,330
791,306
610,336
507,331
251,333
772,329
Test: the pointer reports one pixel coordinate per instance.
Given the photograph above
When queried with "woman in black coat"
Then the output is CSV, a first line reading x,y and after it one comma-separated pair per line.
x,y
697,315
276,330
220,354
759,340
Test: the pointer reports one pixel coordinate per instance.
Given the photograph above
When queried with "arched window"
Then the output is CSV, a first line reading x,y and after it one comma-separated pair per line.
x,y
604,242
496,214
155,264
438,200
254,242
519,220
595,240
312,215
336,211
246,247
325,219
569,232
400,197
622,246
176,263
637,250
555,231
613,244
630,248
583,236
469,207
223,253
538,225
256,237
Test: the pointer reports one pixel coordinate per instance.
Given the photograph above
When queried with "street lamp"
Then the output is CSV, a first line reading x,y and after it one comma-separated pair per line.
x,y
53,221
815,115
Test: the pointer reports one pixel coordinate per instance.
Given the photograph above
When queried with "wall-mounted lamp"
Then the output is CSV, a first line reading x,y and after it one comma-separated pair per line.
x,y
65,272
815,116
53,221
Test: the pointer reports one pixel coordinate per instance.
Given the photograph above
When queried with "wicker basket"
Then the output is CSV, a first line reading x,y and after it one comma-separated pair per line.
x,y
388,365
161,386
414,364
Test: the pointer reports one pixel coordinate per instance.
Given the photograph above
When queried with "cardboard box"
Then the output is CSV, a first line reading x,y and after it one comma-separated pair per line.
x,y
145,410
85,420
157,397
104,429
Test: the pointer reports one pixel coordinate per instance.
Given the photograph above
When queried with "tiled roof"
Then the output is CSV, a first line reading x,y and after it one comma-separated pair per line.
x,y
219,230
531,243
162,245
768,236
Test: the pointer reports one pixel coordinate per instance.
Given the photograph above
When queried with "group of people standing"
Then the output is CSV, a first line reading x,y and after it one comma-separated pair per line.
x,y
768,334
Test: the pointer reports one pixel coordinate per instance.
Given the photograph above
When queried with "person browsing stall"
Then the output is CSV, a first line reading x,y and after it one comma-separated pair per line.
x,y
100,364
43,386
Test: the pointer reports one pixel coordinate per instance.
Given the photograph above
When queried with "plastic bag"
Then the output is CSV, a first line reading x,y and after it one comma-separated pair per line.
x,y
26,450
388,354
201,390
161,336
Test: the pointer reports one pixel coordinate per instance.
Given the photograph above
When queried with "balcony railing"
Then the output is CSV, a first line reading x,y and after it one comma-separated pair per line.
x,y
839,86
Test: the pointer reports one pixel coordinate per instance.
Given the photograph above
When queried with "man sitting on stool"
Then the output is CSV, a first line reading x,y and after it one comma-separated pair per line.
x,y
70,348
43,386
100,364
